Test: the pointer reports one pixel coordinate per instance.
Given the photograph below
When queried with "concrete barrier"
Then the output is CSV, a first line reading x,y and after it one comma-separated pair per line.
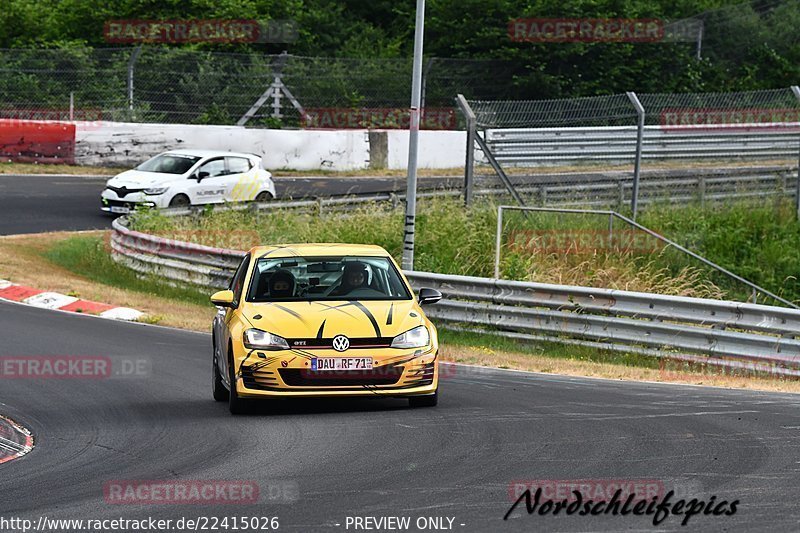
x,y
126,144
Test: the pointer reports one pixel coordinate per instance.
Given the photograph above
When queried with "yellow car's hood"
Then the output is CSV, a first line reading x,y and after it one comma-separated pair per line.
x,y
318,320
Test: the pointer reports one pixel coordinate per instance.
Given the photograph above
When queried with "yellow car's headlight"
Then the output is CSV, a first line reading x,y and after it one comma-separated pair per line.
x,y
264,340
413,338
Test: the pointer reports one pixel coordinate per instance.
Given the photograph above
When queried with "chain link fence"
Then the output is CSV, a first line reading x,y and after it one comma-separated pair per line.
x,y
173,85
625,149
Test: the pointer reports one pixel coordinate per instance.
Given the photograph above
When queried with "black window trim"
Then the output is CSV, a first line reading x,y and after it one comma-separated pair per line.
x,y
408,289
244,266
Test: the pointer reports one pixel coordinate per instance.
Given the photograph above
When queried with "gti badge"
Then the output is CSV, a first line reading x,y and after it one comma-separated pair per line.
x,y
341,343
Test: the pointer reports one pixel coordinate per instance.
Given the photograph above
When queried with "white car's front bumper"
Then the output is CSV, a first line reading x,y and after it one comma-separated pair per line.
x,y
111,202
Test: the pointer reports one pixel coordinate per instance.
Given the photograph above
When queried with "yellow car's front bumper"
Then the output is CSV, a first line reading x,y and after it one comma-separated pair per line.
x,y
289,374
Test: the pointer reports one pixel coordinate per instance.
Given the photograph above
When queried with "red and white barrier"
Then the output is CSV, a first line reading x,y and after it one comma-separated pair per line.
x,y
63,302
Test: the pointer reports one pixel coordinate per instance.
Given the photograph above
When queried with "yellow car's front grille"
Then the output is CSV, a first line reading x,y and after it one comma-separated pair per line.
x,y
299,377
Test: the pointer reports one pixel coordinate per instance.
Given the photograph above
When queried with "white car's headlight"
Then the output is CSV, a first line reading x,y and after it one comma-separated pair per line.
x,y
413,338
264,340
155,191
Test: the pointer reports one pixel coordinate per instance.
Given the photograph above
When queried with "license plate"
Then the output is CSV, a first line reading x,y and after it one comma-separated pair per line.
x,y
319,364
120,209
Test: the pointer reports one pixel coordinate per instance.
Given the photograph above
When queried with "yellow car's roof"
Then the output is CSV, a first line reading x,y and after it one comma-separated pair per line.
x,y
318,249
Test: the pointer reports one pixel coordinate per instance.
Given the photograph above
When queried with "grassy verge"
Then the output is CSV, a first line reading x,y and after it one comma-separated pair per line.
x,y
550,358
758,241
33,168
79,265
76,264
89,257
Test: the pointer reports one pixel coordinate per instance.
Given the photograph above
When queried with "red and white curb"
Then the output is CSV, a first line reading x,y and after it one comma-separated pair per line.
x,y
15,440
62,302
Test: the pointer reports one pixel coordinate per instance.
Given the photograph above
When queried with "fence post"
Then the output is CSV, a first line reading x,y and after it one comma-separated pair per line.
x,y
701,185
638,160
425,71
469,165
276,97
71,106
497,241
131,64
796,91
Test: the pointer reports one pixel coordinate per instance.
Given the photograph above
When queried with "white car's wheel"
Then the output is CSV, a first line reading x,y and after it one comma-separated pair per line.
x,y
263,196
180,200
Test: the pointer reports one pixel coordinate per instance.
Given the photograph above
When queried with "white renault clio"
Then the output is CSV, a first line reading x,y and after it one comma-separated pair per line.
x,y
181,178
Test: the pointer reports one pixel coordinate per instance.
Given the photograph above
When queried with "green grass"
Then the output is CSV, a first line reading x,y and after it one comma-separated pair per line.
x,y
758,241
89,257
547,349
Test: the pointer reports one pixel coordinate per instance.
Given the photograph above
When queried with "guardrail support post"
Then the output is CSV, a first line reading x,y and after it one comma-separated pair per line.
x,y
796,91
638,160
469,165
497,242
701,185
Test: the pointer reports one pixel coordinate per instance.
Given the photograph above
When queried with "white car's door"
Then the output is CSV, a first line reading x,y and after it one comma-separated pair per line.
x,y
243,177
211,182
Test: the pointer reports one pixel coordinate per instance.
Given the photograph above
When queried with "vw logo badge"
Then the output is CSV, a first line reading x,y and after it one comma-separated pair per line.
x,y
341,343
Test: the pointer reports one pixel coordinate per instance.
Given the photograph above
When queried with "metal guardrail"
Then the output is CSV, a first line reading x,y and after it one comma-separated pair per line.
x,y
614,215
716,332
618,143
592,188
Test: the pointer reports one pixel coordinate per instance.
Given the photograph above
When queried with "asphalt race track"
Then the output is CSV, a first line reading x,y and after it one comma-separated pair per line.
x,y
316,463
35,204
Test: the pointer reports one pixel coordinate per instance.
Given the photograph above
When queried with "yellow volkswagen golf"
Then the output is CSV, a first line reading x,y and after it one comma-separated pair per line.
x,y
319,320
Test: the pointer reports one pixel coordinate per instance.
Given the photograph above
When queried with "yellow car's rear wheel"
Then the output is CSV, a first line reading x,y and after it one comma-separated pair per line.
x,y
218,388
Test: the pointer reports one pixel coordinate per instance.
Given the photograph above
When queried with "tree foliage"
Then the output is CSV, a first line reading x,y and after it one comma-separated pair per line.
x,y
745,45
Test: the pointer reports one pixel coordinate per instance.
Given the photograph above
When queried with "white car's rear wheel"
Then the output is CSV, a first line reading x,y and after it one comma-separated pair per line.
x,y
263,196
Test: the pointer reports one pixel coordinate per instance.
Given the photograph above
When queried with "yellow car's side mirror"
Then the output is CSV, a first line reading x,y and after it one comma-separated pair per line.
x,y
223,298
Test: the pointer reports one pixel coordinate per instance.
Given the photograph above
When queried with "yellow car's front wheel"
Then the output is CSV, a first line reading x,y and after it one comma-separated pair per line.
x,y
429,400
236,404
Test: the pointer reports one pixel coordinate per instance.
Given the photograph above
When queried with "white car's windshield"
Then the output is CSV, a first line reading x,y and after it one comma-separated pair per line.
x,y
169,164
326,278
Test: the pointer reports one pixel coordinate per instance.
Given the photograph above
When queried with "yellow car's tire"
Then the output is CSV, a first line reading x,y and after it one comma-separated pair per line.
x,y
263,196
237,405
429,400
219,391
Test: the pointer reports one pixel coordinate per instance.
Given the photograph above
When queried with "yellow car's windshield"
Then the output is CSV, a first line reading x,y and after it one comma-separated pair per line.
x,y
326,278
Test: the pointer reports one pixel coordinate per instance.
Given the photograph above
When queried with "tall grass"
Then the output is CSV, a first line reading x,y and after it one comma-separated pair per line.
x,y
90,258
760,242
